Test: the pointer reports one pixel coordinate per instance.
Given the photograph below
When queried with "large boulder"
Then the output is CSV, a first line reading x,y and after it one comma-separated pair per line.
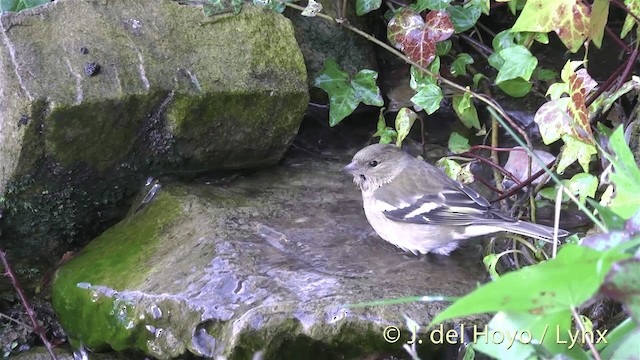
x,y
98,95
267,262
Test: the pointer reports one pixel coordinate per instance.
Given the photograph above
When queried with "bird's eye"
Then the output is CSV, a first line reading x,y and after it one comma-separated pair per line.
x,y
373,163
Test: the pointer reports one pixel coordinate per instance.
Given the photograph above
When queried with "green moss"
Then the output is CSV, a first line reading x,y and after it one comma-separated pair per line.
x,y
219,129
117,259
72,132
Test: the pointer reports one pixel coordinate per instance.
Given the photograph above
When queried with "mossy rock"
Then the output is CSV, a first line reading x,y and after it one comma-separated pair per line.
x,y
177,93
264,263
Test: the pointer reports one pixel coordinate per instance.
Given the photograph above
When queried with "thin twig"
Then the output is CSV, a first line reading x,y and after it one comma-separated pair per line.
x,y
23,298
630,63
617,40
594,351
494,165
27,326
487,147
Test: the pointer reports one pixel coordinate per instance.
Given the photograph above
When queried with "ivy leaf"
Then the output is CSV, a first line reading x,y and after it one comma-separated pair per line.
x,y
429,98
580,85
634,8
273,5
451,168
504,39
443,47
584,185
573,150
345,93
570,19
599,15
542,74
552,120
416,37
477,77
516,88
458,143
18,5
466,111
312,9
386,133
422,5
463,18
625,177
421,79
367,6
518,63
547,288
459,65
216,7
404,121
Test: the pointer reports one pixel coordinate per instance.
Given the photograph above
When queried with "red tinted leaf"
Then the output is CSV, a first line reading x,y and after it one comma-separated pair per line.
x,y
408,32
580,84
438,25
404,21
420,48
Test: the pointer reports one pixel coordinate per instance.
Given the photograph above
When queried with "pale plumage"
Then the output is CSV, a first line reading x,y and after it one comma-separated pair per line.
x,y
415,206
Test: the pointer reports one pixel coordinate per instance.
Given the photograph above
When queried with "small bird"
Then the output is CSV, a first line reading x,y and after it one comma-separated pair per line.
x,y
415,206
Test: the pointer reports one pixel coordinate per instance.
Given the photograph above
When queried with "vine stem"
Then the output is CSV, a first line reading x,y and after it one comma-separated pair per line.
x,y
449,83
23,298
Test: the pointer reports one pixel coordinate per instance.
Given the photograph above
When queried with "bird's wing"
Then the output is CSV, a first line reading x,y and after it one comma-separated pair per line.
x,y
425,195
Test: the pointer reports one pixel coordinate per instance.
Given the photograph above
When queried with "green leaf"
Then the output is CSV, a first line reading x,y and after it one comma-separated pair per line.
x,y
428,98
518,63
422,5
584,185
634,8
458,143
459,65
466,111
367,6
527,331
476,79
464,19
216,7
545,74
273,5
404,121
546,288
503,40
573,150
627,348
516,88
496,61
345,93
312,9
451,168
625,177
18,5
443,47
599,15
611,219
421,79
386,133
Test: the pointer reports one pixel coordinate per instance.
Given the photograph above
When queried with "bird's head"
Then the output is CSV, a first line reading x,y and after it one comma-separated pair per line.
x,y
376,165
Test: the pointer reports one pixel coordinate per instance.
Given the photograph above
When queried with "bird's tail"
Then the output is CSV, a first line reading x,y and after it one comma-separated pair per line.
x,y
537,231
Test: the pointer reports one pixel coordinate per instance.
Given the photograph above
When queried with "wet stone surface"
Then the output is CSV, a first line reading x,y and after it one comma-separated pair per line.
x,y
260,263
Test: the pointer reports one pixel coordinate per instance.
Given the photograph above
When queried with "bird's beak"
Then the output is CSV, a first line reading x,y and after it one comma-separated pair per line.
x,y
351,168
